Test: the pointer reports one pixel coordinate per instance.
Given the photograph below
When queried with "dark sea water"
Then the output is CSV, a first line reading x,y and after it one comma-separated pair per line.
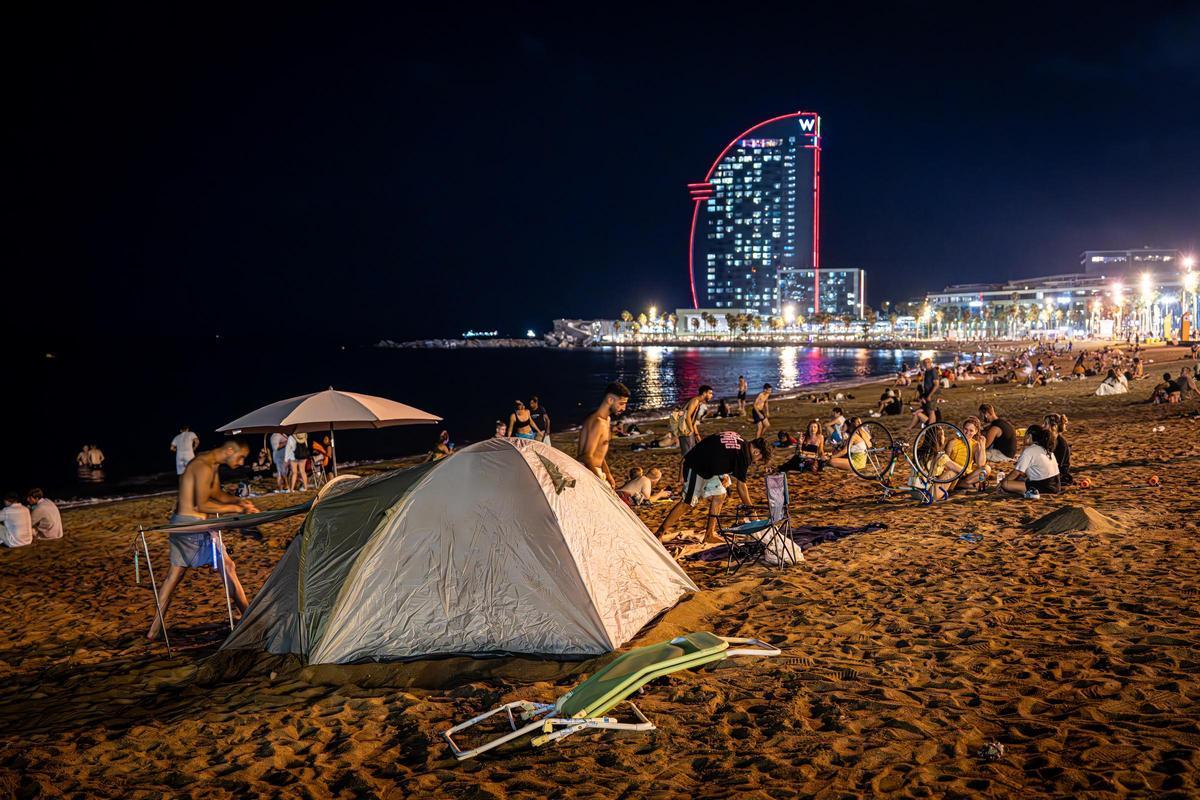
x,y
130,398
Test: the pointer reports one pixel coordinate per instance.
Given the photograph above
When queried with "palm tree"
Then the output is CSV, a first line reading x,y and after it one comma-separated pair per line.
x,y
694,323
711,321
627,318
731,322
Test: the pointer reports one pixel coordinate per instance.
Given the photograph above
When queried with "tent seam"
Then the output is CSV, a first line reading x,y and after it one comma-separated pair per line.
x,y
350,573
574,559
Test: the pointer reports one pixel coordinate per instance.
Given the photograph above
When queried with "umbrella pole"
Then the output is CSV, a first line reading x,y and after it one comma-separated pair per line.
x,y
332,451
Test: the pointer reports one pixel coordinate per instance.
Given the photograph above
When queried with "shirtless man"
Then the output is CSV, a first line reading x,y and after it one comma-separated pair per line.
x,y
596,430
688,434
761,412
743,387
200,495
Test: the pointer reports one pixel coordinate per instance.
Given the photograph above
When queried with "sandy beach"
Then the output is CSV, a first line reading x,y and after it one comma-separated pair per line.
x,y
906,651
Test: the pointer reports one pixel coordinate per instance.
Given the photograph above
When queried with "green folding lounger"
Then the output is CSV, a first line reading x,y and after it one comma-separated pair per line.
x,y
584,706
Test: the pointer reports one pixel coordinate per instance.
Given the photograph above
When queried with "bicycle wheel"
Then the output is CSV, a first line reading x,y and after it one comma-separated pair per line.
x,y
870,451
930,448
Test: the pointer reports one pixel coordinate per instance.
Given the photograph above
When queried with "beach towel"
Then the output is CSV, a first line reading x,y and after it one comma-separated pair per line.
x,y
804,535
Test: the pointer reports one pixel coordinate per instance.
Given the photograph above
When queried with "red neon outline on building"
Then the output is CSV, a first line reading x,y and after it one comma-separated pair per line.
x,y
816,147
816,253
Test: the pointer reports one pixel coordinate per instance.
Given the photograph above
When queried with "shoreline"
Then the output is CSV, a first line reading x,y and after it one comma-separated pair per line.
x,y
641,416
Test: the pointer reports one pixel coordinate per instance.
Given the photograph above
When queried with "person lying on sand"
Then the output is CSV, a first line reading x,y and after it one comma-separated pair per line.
x,y
1036,472
724,453
200,494
640,486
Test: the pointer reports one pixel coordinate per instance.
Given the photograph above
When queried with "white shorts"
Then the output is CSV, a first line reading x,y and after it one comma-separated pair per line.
x,y
995,455
696,488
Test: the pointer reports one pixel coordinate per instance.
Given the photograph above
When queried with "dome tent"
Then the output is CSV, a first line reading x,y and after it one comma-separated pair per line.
x,y
509,546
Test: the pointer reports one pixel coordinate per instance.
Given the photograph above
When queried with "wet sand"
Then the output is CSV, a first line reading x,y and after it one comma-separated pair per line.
x,y
906,651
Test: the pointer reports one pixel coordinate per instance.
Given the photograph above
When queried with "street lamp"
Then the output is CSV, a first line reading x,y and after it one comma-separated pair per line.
x,y
1189,286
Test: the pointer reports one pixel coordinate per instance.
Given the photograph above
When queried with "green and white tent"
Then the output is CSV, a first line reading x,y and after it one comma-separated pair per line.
x,y
508,546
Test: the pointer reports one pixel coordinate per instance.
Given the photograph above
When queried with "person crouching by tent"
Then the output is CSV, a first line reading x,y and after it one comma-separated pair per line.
x,y
724,453
200,494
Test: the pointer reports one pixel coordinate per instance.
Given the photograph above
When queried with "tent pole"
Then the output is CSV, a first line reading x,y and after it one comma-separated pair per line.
x,y
224,576
153,585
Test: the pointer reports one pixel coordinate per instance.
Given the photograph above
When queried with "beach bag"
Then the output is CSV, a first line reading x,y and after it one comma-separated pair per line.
x,y
779,550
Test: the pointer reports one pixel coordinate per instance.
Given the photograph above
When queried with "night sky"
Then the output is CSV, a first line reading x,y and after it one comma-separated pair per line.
x,y
409,175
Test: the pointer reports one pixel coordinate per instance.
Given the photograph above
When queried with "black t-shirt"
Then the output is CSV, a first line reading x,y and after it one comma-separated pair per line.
x,y
1006,442
928,381
719,454
538,415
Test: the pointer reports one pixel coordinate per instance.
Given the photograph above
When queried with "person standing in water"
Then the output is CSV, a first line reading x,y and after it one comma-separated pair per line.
x,y
184,447
596,430
200,495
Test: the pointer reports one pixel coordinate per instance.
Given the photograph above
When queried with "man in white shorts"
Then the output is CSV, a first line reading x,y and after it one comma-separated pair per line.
x,y
706,467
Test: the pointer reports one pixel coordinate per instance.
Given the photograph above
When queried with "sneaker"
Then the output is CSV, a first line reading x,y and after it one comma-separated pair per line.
x,y
1033,494
875,414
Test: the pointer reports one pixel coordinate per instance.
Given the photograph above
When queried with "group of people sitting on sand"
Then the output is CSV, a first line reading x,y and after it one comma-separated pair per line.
x,y
1177,389
27,518
1043,466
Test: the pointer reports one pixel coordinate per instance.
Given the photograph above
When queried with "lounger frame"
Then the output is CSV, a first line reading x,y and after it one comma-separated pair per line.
x,y
535,716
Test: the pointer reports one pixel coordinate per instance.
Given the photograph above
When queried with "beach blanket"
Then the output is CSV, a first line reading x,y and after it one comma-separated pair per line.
x,y
804,535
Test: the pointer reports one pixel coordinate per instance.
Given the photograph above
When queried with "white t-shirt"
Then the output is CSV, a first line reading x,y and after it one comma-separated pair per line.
x,y
278,441
185,446
18,526
638,488
47,521
289,450
1037,464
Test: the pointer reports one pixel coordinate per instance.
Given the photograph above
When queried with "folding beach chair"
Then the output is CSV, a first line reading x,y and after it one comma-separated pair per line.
x,y
767,541
584,707
318,471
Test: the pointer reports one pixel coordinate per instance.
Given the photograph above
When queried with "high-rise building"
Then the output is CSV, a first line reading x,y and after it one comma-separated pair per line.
x,y
756,220
836,292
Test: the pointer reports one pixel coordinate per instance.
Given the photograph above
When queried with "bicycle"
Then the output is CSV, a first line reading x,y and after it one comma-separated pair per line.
x,y
873,455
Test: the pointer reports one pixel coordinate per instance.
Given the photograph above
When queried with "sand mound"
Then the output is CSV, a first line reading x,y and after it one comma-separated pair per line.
x,y
1074,518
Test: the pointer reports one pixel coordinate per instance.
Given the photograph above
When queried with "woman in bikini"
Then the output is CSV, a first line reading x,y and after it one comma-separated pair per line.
x,y
521,424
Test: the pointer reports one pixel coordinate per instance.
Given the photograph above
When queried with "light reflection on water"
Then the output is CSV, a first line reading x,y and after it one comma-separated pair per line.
x,y
661,377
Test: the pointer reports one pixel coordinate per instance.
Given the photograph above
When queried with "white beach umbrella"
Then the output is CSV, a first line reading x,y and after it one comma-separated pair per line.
x,y
328,411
